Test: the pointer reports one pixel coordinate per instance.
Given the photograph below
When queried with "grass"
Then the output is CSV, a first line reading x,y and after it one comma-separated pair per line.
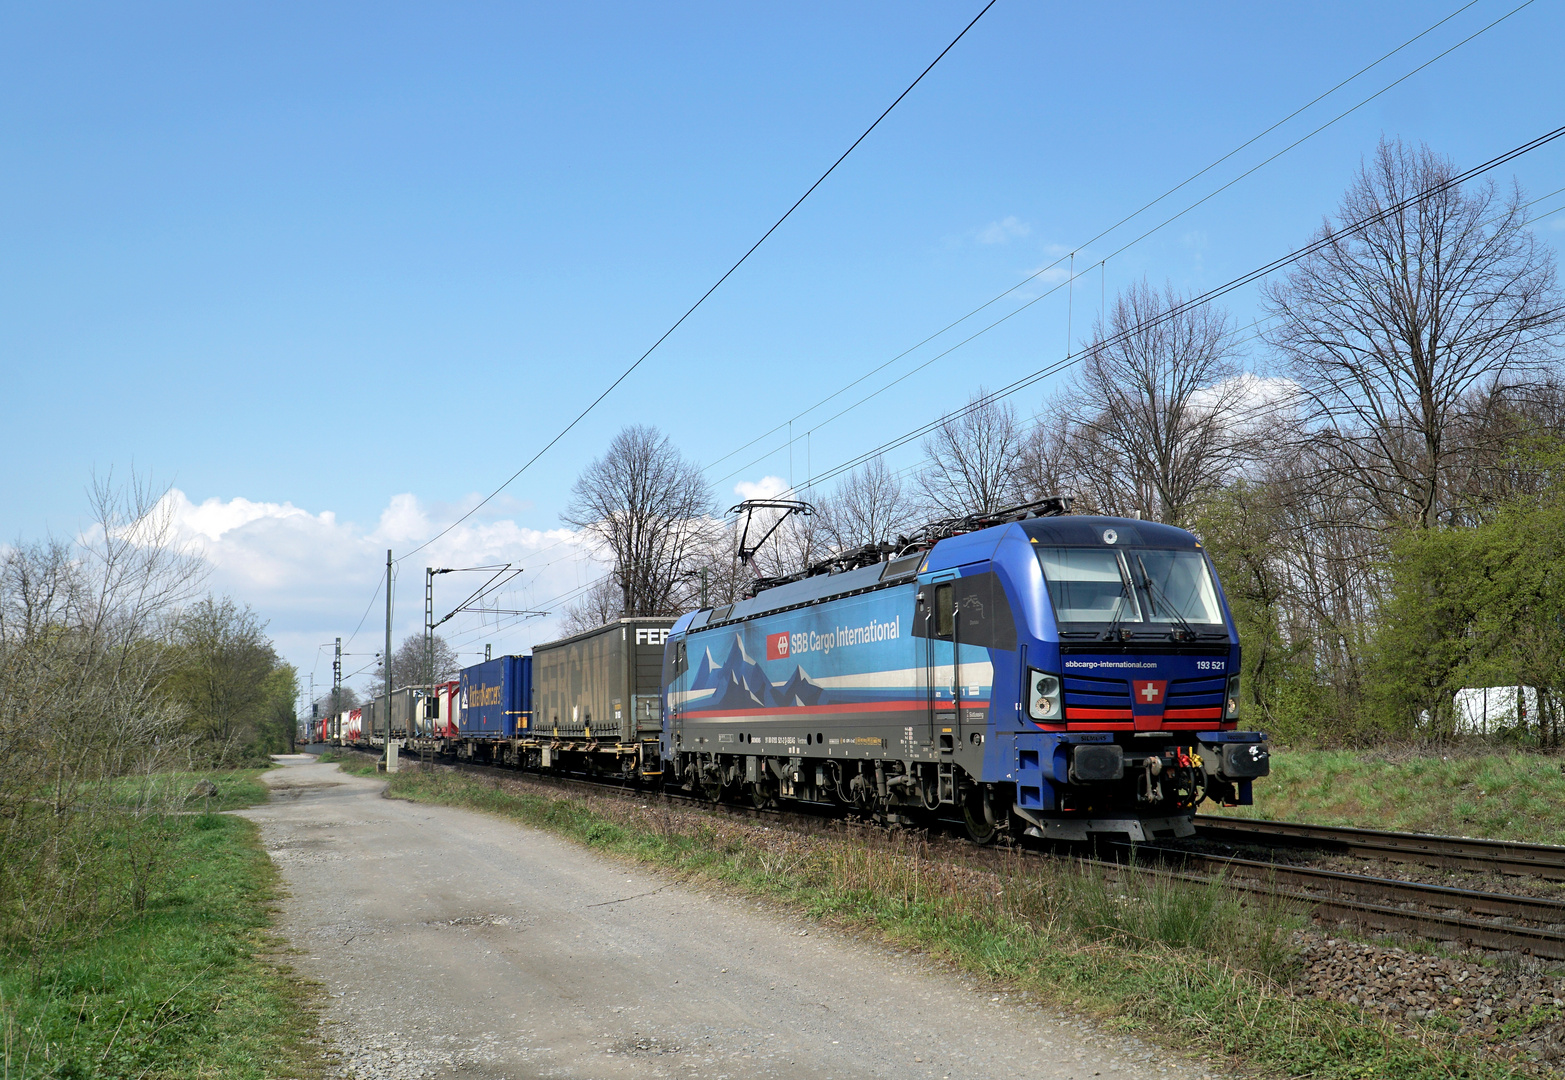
x,y
1514,796
236,788
1139,952
187,988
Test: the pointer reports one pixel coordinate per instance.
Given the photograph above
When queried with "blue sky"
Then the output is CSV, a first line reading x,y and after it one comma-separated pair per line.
x,y
334,271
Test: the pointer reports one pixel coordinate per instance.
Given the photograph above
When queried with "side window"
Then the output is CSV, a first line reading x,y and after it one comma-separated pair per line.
x,y
945,610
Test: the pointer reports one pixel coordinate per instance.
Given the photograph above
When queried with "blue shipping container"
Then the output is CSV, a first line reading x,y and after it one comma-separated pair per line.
x,y
496,697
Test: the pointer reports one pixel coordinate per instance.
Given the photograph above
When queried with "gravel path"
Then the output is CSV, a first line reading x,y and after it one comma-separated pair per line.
x,y
452,943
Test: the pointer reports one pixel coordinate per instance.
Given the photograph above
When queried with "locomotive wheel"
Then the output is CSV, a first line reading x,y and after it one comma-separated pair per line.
x,y
980,829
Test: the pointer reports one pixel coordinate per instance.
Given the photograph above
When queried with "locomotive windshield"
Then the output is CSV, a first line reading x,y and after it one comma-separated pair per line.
x,y
1130,585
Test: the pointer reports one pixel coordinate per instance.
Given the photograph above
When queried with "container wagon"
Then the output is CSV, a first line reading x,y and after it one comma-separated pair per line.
x,y
493,702
597,700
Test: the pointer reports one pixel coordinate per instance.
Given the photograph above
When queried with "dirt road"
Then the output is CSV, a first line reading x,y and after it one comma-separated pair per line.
x,y
455,944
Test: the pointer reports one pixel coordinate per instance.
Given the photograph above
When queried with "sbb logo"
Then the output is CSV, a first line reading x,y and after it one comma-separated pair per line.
x,y
777,646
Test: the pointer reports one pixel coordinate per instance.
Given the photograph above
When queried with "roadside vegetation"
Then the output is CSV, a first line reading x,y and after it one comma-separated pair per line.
x,y
1207,966
131,914
187,986
1506,795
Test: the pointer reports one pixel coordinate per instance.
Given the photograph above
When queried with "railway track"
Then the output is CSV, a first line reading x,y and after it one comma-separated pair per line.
x,y
1487,920
1446,852
1472,917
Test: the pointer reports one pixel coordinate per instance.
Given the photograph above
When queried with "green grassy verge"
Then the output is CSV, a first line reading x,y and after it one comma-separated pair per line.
x,y
1516,796
186,988
1178,960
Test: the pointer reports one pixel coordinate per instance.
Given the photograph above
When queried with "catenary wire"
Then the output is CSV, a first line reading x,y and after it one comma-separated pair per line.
x,y
1122,221
1122,248
1196,301
691,310
1029,380
1132,215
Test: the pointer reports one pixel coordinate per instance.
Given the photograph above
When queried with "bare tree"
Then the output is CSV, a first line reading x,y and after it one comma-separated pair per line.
x,y
1160,408
408,665
329,705
602,603
86,725
650,509
970,460
869,506
1043,467
1396,327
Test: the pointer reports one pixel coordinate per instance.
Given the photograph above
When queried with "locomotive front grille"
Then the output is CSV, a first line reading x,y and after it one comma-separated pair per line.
x,y
1096,699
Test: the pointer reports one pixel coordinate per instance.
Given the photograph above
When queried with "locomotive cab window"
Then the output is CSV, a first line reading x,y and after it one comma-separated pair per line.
x,y
1129,585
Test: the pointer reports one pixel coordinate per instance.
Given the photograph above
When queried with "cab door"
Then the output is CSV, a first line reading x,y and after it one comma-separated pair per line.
x,y
942,675
672,684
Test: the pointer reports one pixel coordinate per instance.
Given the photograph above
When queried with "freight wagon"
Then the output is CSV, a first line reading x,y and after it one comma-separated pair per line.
x,y
597,700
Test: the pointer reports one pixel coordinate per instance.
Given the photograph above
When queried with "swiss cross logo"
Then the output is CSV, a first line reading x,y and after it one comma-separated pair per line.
x,y
1149,692
776,646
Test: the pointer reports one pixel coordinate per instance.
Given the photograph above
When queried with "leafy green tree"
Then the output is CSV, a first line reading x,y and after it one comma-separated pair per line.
x,y
1480,606
223,663
280,726
1280,685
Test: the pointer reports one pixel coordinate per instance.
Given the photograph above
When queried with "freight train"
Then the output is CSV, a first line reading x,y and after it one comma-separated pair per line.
x,y
1030,672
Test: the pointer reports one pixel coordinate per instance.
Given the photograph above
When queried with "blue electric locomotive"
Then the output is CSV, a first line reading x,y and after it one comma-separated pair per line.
x,y
1031,672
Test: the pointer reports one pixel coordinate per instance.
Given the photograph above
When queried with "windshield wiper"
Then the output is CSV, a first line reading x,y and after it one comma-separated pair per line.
x,y
1186,631
1127,591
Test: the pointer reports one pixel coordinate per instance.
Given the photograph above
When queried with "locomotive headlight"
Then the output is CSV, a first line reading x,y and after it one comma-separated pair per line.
x,y
1231,705
1044,700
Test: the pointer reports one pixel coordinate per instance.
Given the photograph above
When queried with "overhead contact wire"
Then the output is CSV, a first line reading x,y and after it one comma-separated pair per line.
x,y
1141,210
775,225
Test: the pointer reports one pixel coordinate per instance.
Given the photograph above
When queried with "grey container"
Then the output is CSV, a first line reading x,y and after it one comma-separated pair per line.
x,y
406,704
605,684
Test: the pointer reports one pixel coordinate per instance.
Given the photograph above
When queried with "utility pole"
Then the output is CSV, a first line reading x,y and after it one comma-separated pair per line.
x,y
391,753
429,626
336,680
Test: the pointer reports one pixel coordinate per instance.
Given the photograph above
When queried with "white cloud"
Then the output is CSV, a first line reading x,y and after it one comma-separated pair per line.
x,y
1255,402
767,487
1003,231
1051,274
312,576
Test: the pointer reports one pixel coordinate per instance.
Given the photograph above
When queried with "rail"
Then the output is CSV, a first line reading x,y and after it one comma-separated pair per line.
x,y
1449,852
